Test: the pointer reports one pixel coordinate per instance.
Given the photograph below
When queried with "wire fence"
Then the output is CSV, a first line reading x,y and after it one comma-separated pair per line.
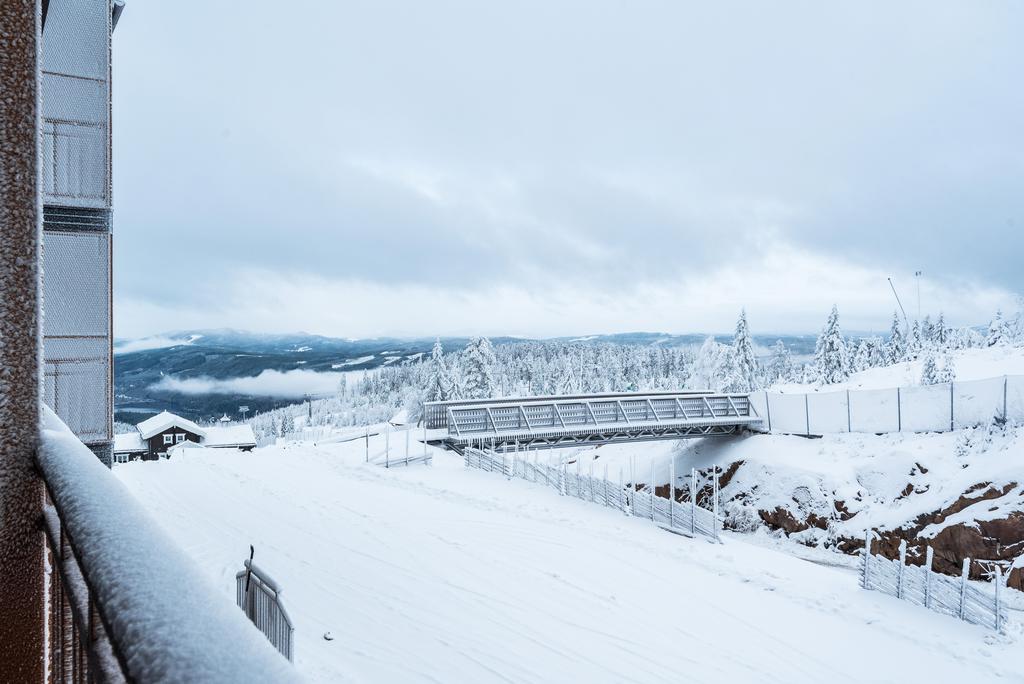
x,y
923,586
685,517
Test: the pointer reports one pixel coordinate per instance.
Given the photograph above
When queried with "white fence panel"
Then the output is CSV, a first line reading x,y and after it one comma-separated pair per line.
x,y
925,409
828,412
875,410
788,413
759,402
1015,398
977,402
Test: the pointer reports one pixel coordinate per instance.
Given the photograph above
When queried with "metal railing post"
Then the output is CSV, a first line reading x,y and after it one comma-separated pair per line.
x,y
22,549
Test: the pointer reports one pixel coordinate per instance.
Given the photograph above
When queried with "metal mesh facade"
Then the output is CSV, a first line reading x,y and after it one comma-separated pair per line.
x,y
75,167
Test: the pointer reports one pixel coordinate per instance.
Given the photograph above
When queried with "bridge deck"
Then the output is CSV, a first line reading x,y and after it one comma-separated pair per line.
x,y
595,419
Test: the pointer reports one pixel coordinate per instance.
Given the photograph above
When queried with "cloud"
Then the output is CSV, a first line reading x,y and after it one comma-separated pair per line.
x,y
559,155
777,283
293,384
152,342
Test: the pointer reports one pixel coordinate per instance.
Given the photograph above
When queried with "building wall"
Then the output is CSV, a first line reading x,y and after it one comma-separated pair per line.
x,y
156,444
77,218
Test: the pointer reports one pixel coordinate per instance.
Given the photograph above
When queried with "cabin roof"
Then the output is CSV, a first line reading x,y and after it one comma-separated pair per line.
x,y
166,420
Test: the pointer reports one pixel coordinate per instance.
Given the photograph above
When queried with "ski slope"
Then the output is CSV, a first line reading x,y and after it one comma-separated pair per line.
x,y
439,574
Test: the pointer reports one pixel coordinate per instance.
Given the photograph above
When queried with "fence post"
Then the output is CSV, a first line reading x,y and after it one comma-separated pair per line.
x,y
963,587
387,442
672,492
632,486
715,502
367,443
951,406
652,490
866,574
807,413
929,557
768,408
998,579
903,568
622,492
1005,414
693,501
899,411
408,431
427,458
849,417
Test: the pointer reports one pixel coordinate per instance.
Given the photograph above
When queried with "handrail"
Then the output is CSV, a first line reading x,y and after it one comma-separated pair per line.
x,y
139,592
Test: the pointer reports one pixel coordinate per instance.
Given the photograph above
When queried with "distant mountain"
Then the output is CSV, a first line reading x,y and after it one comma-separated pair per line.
x,y
142,367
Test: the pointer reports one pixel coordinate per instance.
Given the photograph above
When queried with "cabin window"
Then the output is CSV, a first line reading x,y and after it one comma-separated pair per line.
x,y
179,438
168,439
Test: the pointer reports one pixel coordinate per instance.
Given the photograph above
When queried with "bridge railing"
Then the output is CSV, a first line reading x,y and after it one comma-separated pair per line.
x,y
436,412
566,413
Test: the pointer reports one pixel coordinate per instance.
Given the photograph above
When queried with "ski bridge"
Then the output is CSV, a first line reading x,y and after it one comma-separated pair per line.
x,y
546,422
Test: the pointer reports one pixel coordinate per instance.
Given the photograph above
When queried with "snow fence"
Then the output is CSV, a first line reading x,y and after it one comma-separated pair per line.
x,y
688,518
922,586
924,408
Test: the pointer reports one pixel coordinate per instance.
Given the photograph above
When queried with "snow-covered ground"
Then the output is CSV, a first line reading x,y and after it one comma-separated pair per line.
x,y
971,364
446,574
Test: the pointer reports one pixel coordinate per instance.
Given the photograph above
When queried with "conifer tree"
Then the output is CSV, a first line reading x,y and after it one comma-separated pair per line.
x,y
914,343
896,348
478,369
831,357
997,331
744,361
439,387
780,368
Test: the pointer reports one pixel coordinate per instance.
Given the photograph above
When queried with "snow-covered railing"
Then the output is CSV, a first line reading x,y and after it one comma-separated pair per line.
x,y
688,518
920,408
594,419
259,597
125,603
922,586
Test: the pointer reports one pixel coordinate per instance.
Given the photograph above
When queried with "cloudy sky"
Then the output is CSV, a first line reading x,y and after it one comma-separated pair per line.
x,y
564,167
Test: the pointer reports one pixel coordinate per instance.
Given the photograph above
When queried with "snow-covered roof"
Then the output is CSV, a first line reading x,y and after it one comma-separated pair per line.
x,y
229,435
188,446
162,421
129,442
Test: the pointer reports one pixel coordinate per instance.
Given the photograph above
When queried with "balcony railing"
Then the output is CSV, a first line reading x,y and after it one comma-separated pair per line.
x,y
124,603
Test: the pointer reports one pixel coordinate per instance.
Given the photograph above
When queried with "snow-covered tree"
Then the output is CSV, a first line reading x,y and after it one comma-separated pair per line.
x,y
941,335
927,330
708,366
780,367
831,357
947,373
915,344
439,387
478,364
744,361
997,332
929,368
896,348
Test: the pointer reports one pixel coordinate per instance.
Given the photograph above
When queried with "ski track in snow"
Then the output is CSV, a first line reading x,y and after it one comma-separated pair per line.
x,y
439,574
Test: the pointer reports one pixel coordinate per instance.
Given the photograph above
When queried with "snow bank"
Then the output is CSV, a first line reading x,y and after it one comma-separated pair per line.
x,y
170,622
